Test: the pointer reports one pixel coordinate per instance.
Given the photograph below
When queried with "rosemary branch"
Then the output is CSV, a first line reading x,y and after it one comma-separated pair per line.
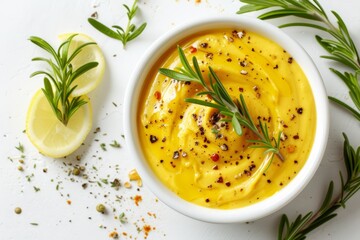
x,y
236,111
124,35
341,48
58,81
305,224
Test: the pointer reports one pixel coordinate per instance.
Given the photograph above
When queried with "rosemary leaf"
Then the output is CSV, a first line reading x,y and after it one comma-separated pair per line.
x,y
236,111
125,35
341,49
58,80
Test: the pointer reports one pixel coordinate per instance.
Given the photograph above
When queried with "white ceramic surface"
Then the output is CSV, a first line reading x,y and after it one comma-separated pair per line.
x,y
270,204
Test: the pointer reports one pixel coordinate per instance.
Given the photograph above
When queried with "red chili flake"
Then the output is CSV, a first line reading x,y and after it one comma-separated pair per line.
x,y
215,157
228,184
147,229
157,95
193,49
299,110
291,148
137,199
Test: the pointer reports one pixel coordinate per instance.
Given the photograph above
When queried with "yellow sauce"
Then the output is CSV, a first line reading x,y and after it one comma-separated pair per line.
x,y
180,139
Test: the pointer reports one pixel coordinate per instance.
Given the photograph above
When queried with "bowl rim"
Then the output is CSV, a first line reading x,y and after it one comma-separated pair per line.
x,y
268,205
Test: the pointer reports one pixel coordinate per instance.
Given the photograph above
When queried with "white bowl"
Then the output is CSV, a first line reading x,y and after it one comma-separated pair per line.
x,y
279,199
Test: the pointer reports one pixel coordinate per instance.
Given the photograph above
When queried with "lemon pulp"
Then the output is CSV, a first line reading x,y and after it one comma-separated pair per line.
x,y
91,53
50,136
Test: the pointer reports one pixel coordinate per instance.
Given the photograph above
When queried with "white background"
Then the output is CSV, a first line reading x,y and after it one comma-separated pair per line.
x,y
48,207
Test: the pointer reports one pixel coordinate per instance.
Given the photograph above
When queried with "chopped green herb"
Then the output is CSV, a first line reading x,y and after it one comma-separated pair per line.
x,y
115,144
116,184
103,180
114,104
29,177
36,189
122,218
20,147
103,146
34,224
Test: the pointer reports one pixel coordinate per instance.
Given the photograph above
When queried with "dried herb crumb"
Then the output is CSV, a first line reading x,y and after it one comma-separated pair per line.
x,y
103,180
115,144
103,146
20,147
116,184
122,218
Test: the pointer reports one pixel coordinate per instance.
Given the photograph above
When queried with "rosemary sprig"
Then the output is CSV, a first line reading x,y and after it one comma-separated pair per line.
x,y
305,224
59,79
236,111
341,47
119,33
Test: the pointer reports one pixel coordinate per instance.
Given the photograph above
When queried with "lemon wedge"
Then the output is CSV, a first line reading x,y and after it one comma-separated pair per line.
x,y
91,53
49,135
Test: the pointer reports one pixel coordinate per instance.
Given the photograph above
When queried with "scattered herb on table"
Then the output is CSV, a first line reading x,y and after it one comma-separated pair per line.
x,y
104,180
236,111
58,80
122,218
20,147
115,144
116,184
103,146
124,35
341,49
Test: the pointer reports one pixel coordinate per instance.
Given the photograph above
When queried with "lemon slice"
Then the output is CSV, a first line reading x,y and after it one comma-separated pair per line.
x,y
49,135
91,53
